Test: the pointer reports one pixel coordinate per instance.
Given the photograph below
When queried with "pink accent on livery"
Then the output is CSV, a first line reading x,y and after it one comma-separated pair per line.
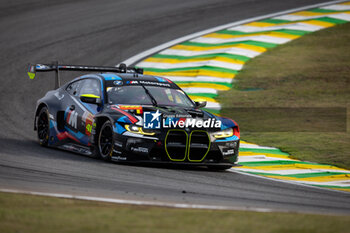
x,y
69,113
169,81
65,135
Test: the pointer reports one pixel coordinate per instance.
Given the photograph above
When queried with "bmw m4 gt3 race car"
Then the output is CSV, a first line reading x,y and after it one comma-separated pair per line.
x,y
122,115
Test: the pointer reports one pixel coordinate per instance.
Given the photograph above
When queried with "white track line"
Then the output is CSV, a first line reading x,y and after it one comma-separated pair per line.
x,y
156,49
136,202
337,7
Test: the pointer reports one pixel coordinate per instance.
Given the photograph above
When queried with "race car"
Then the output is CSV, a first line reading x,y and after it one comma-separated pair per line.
x,y
119,114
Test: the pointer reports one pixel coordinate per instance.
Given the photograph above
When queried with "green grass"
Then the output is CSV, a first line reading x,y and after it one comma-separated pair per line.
x,y
310,72
26,213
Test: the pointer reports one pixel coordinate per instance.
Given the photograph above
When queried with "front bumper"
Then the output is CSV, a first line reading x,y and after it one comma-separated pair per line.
x,y
139,149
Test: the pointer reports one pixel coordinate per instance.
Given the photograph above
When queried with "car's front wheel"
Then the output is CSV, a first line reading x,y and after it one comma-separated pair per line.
x,y
43,126
105,141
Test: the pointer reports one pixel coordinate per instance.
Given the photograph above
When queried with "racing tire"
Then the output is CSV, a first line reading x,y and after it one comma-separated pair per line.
x,y
43,126
105,142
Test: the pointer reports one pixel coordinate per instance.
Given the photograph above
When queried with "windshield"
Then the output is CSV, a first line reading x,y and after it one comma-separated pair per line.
x,y
136,95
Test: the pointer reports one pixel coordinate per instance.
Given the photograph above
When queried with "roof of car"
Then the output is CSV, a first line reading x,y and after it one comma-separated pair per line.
x,y
122,79
114,79
132,76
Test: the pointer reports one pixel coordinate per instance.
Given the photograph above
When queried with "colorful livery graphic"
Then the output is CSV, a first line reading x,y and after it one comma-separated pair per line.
x,y
125,116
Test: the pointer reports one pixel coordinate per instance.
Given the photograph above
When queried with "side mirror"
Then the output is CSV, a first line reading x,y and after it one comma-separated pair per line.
x,y
90,99
200,104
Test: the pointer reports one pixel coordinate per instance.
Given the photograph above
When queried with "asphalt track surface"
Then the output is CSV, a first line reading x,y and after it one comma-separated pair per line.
x,y
106,33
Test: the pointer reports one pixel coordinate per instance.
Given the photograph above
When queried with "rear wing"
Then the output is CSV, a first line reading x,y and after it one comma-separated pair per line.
x,y
122,68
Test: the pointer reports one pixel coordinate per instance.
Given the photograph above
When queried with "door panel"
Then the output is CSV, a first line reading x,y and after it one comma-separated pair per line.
x,y
79,115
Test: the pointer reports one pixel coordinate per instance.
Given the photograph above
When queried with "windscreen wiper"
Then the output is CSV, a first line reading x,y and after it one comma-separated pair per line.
x,y
154,101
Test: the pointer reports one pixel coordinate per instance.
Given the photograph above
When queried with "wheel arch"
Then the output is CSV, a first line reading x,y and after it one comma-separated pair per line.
x,y
99,121
38,109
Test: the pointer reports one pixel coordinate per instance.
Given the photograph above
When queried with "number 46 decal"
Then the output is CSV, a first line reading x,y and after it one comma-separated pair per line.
x,y
88,118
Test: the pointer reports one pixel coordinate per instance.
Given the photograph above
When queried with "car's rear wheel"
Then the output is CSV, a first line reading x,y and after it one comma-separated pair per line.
x,y
105,141
43,126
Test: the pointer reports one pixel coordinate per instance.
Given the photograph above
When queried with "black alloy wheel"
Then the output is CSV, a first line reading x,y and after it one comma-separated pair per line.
x,y
105,141
43,126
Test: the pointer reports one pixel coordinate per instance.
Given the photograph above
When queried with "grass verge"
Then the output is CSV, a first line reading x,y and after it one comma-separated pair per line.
x,y
312,72
26,213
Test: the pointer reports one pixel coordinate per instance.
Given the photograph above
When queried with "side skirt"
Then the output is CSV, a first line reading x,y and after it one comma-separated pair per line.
x,y
84,150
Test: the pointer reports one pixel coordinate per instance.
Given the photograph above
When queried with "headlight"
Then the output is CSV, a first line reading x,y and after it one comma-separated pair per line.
x,y
223,133
137,129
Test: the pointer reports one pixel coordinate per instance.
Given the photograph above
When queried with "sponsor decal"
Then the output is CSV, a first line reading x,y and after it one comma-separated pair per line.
x,y
154,120
118,144
118,82
137,108
42,67
119,158
132,82
139,149
72,119
155,83
76,148
117,151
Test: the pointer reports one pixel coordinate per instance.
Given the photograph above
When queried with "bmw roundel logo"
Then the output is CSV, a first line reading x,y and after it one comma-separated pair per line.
x,y
118,82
